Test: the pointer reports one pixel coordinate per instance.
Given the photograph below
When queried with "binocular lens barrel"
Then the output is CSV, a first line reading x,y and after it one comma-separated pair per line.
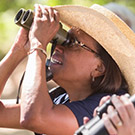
x,y
27,19
24,19
19,17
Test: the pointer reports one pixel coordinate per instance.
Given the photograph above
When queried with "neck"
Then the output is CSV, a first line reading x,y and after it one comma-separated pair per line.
x,y
78,95
77,91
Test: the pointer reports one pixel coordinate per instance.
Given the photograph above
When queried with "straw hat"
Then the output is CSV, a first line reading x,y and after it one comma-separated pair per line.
x,y
123,12
109,30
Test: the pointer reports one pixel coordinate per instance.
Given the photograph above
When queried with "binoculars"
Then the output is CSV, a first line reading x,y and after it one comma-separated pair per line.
x,y
96,125
24,18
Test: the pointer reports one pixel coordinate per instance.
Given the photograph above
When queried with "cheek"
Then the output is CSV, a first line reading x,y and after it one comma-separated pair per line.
x,y
88,64
79,66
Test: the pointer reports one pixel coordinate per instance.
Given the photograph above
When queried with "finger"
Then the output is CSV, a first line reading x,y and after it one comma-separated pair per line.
x,y
114,117
22,34
45,13
23,31
56,15
38,11
51,14
85,120
109,126
95,111
103,100
120,108
129,106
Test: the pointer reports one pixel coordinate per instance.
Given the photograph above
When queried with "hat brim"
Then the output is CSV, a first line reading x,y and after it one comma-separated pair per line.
x,y
109,30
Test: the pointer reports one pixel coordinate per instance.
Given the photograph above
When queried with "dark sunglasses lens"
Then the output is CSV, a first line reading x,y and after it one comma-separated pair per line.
x,y
69,42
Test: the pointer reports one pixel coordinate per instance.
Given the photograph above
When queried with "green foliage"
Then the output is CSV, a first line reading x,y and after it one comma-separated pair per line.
x,y
8,9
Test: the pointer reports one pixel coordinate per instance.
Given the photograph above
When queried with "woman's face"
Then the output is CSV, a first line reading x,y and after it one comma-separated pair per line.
x,y
71,64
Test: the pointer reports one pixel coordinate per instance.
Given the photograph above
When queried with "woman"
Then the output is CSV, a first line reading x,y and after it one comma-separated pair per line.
x,y
82,67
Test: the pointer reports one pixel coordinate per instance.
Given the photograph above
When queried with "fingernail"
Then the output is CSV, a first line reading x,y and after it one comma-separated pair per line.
x,y
114,95
127,95
104,115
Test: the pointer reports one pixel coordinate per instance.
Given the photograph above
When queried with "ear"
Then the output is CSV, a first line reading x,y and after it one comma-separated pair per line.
x,y
99,70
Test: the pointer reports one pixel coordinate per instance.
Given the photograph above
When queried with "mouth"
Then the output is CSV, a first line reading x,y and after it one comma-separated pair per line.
x,y
56,61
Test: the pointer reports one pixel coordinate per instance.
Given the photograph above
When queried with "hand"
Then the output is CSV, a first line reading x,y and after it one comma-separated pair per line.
x,y
123,118
102,101
21,44
44,27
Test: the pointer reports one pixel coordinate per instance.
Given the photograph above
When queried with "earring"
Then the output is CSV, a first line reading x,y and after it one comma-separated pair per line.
x,y
93,78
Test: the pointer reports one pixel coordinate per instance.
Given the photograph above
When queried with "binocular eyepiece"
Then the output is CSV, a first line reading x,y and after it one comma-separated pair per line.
x,y
24,18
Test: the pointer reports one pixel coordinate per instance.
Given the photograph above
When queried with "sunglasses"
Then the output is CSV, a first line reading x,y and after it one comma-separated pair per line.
x,y
71,41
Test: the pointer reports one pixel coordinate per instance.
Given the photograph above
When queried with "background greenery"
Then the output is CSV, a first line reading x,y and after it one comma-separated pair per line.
x,y
8,9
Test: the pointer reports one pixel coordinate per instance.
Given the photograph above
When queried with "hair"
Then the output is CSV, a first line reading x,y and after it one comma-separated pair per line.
x,y
112,80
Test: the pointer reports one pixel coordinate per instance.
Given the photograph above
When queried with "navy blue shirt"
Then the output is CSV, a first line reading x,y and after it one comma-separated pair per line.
x,y
80,108
86,107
